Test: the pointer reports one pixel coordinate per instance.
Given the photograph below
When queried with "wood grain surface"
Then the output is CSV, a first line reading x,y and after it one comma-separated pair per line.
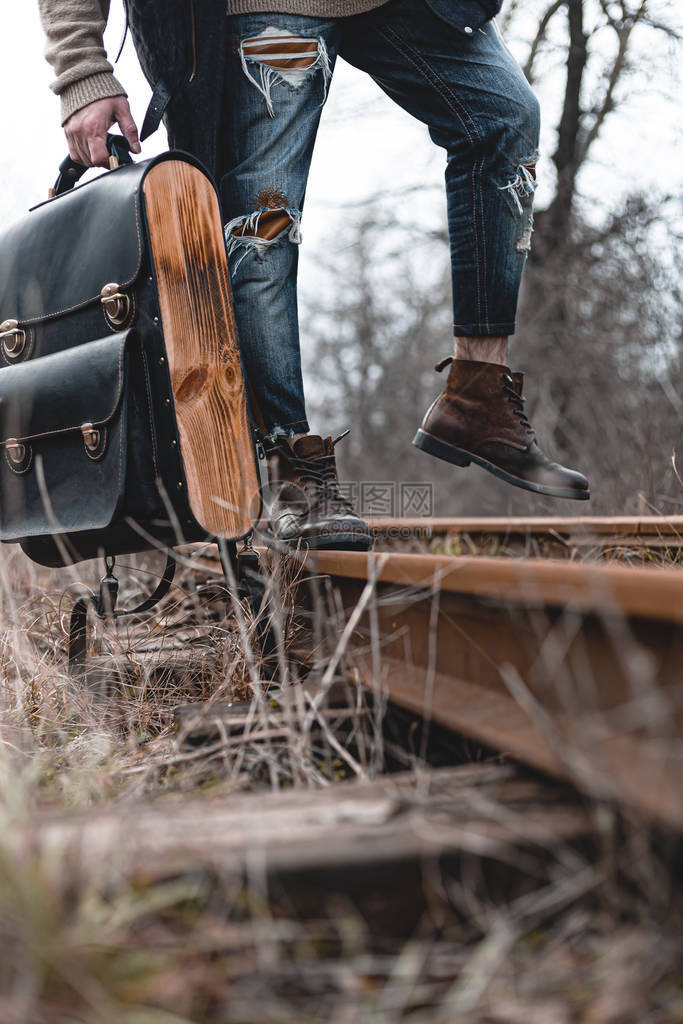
x,y
197,315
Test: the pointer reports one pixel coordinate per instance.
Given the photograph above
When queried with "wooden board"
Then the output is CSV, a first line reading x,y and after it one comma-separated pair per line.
x,y
348,828
198,319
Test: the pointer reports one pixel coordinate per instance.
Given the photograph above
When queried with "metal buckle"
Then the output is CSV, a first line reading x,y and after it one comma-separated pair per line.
x,y
15,450
91,437
13,338
116,304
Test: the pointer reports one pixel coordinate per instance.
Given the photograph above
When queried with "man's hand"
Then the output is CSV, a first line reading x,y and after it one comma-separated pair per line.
x,y
86,130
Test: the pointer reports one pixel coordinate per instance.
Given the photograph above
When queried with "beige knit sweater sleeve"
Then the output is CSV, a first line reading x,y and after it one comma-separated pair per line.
x,y
74,30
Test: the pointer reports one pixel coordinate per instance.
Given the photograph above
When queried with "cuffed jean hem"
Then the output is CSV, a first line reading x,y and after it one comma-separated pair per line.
x,y
482,330
297,427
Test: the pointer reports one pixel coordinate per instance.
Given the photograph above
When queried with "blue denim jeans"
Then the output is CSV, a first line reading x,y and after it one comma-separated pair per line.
x,y
252,114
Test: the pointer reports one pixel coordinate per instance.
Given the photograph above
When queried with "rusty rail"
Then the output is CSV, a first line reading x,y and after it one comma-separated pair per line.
x,y
562,535
573,668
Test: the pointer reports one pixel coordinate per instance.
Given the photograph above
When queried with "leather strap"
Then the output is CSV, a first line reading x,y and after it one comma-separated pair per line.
x,y
78,624
71,172
161,590
161,97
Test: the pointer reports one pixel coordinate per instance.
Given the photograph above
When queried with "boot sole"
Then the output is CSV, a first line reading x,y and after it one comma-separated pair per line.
x,y
339,542
335,542
459,457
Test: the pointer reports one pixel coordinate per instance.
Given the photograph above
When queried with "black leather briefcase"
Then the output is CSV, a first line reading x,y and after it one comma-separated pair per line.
x,y
79,450
123,414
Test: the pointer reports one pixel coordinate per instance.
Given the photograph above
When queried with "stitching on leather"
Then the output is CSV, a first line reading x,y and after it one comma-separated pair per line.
x,y
79,305
148,395
95,456
20,472
122,428
96,423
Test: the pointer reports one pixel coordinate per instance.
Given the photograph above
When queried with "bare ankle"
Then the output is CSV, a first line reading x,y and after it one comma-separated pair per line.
x,y
483,349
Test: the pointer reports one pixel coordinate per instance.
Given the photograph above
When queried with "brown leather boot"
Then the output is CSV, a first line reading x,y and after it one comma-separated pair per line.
x,y
308,507
480,418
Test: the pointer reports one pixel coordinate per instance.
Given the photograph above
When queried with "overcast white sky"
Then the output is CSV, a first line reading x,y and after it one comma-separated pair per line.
x,y
366,143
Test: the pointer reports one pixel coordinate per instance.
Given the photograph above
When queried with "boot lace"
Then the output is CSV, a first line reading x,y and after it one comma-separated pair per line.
x,y
320,470
517,400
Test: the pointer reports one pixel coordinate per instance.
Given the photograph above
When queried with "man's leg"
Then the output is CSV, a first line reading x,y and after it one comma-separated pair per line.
x,y
252,113
473,97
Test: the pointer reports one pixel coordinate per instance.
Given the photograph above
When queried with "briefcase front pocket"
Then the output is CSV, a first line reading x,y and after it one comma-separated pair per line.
x,y
78,444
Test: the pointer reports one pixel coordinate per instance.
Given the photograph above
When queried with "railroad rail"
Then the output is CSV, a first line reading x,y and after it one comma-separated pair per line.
x,y
573,668
560,536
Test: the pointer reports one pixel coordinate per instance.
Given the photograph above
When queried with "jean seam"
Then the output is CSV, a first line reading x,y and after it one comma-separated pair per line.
x,y
262,25
475,229
483,238
418,62
501,323
463,116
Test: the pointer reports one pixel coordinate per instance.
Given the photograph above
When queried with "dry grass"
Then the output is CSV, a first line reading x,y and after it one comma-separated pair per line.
x,y
597,939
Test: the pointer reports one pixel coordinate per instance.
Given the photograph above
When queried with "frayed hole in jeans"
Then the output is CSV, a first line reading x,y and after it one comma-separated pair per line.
x,y
280,55
256,232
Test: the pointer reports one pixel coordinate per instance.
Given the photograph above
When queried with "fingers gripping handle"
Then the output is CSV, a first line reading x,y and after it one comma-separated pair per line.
x,y
71,172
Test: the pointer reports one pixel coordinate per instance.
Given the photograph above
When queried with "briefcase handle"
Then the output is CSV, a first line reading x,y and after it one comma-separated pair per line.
x,y
71,172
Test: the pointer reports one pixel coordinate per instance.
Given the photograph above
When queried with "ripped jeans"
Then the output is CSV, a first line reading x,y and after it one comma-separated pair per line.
x,y
251,114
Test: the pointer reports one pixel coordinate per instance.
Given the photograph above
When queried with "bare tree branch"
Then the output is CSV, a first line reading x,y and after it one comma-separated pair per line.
x,y
661,26
540,35
565,155
624,32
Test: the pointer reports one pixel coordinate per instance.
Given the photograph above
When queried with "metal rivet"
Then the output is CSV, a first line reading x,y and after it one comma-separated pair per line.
x,y
161,359
174,443
180,485
168,401
156,319
469,30
150,279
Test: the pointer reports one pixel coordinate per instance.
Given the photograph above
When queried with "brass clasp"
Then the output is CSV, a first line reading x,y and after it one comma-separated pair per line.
x,y
13,338
91,437
116,304
15,450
